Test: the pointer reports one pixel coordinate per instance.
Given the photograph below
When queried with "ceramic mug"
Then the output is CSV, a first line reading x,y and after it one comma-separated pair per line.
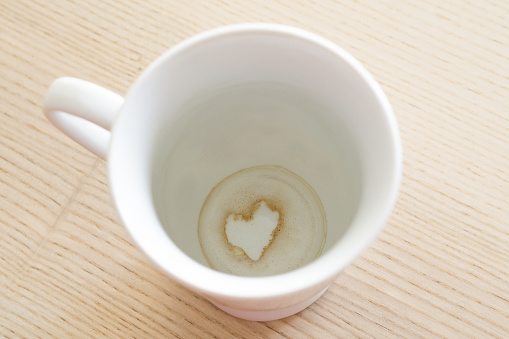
x,y
163,160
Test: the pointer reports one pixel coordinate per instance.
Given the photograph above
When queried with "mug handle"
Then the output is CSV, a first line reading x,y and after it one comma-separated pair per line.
x,y
83,111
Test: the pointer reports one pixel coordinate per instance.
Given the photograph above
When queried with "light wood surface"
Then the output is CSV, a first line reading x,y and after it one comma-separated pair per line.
x,y
440,268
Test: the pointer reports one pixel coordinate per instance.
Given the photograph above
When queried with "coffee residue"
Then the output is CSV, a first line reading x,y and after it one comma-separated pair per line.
x,y
292,235
249,234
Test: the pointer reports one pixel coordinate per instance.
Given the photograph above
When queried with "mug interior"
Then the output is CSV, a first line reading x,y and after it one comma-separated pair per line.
x,y
145,133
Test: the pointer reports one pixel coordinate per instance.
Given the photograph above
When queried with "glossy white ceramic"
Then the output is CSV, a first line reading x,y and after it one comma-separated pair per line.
x,y
124,130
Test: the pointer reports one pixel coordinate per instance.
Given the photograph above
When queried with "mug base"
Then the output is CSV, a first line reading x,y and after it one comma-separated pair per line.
x,y
269,315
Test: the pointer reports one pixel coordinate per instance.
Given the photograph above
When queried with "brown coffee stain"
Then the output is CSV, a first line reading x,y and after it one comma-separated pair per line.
x,y
246,205
248,215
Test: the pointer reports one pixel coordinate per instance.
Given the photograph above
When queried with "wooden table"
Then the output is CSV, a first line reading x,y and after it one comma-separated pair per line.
x,y
440,268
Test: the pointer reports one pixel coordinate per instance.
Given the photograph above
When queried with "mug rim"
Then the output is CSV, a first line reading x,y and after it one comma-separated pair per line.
x,y
205,280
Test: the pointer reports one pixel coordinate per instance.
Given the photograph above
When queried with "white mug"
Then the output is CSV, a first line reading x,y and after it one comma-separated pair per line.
x,y
164,160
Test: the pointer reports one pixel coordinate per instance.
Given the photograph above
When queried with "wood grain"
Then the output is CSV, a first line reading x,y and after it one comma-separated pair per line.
x,y
439,269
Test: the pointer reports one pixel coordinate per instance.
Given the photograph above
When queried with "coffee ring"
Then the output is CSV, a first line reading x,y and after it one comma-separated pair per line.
x,y
301,228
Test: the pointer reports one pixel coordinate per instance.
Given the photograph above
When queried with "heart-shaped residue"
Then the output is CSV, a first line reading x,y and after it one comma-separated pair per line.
x,y
254,235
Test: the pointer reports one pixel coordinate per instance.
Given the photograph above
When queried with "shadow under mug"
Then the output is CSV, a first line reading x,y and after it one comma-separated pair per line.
x,y
355,171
